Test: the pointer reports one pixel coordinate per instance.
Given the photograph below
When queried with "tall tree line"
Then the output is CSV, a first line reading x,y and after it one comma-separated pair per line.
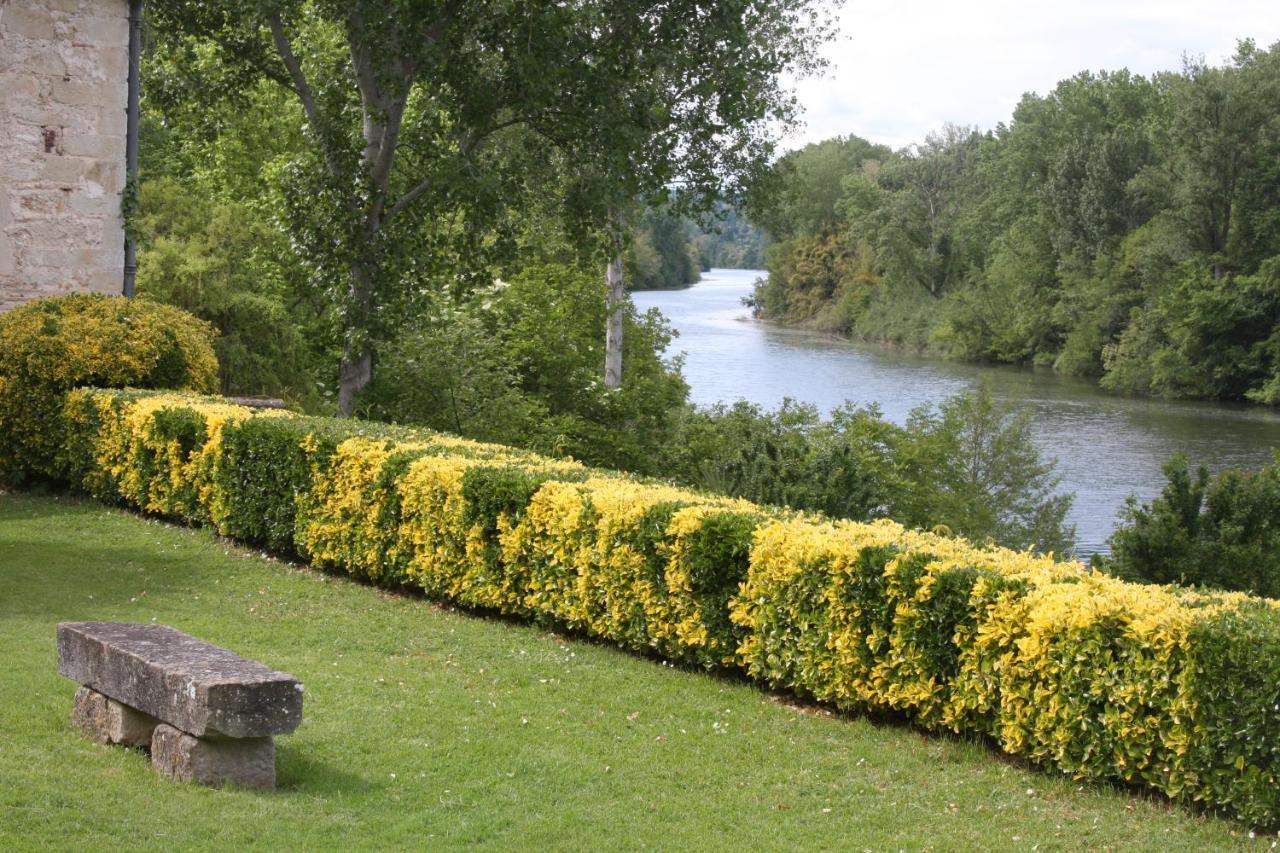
x,y
1121,227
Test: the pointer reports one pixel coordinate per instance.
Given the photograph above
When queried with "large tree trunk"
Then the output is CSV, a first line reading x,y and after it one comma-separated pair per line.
x,y
614,306
354,373
356,368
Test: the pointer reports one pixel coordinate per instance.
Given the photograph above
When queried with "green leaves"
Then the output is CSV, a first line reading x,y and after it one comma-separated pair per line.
x,y
971,465
1118,227
1221,531
407,102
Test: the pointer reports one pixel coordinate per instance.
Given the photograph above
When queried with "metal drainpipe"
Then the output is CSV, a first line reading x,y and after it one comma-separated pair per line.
x,y
131,135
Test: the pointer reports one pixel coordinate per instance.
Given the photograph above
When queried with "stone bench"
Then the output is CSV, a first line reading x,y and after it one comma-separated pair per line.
x,y
207,714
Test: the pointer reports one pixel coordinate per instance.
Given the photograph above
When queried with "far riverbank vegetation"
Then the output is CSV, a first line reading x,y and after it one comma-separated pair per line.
x,y
1122,228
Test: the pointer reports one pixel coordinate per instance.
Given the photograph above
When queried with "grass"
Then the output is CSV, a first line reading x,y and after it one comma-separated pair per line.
x,y
433,728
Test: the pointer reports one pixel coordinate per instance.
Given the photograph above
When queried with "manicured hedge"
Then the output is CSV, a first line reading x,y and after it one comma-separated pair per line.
x,y
50,346
1168,688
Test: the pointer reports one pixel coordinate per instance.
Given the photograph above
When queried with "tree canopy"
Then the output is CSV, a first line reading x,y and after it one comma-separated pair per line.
x,y
425,118
1121,227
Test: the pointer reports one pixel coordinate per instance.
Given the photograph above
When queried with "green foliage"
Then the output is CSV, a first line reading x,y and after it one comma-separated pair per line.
x,y
221,262
1219,337
264,473
1120,227
972,466
1221,531
803,192
456,374
813,272
519,363
1241,649
53,345
729,240
843,466
969,466
661,256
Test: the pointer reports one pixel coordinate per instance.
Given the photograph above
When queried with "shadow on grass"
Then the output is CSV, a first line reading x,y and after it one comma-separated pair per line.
x,y
61,583
300,771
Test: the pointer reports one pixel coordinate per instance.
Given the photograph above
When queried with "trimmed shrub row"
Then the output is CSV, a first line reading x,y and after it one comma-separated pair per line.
x,y
1168,688
52,345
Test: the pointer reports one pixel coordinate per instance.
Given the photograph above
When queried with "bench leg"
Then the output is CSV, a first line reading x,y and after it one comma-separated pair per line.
x,y
249,762
107,721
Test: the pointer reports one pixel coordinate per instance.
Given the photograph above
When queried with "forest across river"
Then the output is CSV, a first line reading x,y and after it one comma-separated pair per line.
x,y
1108,447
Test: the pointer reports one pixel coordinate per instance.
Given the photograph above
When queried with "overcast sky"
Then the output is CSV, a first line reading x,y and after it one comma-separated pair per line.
x,y
901,69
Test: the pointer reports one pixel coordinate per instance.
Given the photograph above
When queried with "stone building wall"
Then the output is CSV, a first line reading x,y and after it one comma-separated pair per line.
x,y
63,94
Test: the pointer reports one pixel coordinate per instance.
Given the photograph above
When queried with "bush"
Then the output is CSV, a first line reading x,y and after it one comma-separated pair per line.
x,y
1165,687
1221,531
52,345
972,466
969,465
520,363
844,466
1085,673
225,263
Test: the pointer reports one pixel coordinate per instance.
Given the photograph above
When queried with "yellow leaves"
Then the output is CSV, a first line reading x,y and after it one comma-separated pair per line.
x,y
1093,675
146,462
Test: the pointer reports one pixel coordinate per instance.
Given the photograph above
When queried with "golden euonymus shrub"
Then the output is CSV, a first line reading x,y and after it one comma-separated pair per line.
x,y
50,346
1174,689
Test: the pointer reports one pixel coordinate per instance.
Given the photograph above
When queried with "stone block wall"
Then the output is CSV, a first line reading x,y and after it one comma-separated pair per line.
x,y
63,95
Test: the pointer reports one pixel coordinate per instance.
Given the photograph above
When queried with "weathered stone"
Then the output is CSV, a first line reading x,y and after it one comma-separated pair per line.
x,y
63,69
188,683
250,762
107,721
30,22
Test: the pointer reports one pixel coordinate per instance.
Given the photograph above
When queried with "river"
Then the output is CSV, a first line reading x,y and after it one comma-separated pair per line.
x,y
1107,447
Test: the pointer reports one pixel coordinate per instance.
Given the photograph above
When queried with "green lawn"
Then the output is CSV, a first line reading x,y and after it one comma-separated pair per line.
x,y
428,727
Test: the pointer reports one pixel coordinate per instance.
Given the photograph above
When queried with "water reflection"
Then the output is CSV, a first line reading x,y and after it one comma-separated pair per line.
x,y
1107,447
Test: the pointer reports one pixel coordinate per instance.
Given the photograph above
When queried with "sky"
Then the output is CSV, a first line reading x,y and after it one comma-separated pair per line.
x,y
902,69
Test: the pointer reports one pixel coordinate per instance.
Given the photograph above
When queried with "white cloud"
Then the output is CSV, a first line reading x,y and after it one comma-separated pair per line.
x,y
901,71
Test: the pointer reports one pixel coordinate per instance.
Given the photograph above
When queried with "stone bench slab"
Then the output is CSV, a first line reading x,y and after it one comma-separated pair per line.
x,y
192,685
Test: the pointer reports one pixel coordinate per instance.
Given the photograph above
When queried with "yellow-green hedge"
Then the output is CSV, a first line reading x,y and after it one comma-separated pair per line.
x,y
1172,689
52,345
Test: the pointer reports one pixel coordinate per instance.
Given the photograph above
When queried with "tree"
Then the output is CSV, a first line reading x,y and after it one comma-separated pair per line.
x,y
729,240
929,186
661,256
972,466
842,466
695,112
204,257
519,363
801,193
406,99
1121,227
1223,118
1221,531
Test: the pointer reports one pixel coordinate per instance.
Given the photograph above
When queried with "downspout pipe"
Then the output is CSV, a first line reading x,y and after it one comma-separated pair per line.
x,y
131,142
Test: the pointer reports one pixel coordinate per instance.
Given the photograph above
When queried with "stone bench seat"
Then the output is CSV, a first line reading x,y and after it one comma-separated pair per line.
x,y
206,713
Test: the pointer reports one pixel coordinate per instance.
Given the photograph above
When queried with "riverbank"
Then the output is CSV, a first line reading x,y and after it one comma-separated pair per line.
x,y
1108,447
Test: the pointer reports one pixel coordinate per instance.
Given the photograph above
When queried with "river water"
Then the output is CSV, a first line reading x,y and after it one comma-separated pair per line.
x,y
1107,447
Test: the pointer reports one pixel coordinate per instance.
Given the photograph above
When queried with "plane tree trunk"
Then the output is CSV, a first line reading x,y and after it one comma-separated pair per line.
x,y
615,307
